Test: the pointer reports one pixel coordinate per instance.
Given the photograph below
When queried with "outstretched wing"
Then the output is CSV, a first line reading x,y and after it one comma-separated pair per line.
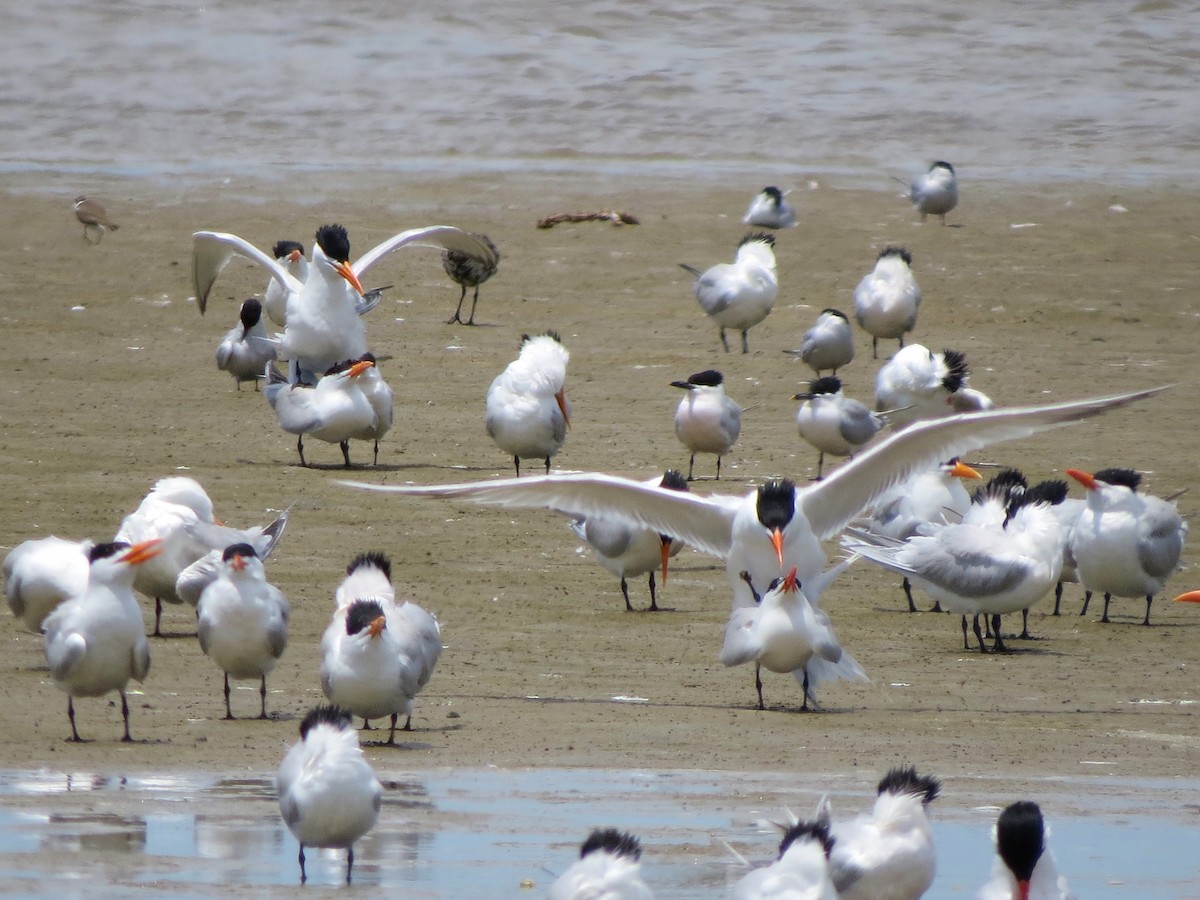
x,y
441,237
211,250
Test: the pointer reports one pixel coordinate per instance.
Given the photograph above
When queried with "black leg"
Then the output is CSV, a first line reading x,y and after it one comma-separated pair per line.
x,y
300,449
517,463
407,723
157,617
303,874
262,696
228,711
998,647
1025,635
125,715
718,467
1146,621
1087,598
345,445
979,634
745,576
691,465
349,862
874,348
804,705
1057,596
1107,598
392,734
625,591
912,607
474,301
376,462
724,343
547,465
653,596
758,684
75,738
966,643
745,343
937,606
454,318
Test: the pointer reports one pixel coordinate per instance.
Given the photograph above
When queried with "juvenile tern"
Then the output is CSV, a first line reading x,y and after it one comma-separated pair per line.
x,y
917,382
527,410
94,217
468,270
290,255
1124,543
739,294
776,526
887,298
707,420
607,869
834,423
381,397
40,574
829,344
628,551
96,642
246,349
328,794
1024,868
335,410
769,209
800,873
242,621
887,854
935,192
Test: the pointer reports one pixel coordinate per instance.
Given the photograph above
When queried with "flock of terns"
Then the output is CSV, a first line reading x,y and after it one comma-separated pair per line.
x,y
898,503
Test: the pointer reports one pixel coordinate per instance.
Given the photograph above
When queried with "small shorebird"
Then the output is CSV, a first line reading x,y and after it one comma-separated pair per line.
x,y
829,344
470,271
94,218
935,192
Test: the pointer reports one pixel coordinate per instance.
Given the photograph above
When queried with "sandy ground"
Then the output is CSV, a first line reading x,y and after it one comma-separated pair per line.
x,y
1052,293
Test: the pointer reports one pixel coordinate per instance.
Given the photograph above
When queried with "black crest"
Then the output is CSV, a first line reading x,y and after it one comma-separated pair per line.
x,y
942,164
1020,838
896,251
361,614
103,551
1053,491
774,193
834,312
814,831
238,550
777,503
334,241
707,378
618,843
284,248
1126,477
375,559
673,480
1006,486
758,237
829,384
956,370
251,313
904,780
324,715
550,333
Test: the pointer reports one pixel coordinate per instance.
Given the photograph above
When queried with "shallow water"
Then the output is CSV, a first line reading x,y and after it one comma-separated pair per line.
x,y
765,92
486,833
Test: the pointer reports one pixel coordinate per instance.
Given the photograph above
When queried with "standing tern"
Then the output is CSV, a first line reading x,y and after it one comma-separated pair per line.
x,y
834,423
328,794
769,209
245,350
935,192
1024,868
381,397
469,270
739,294
242,620
96,642
527,410
800,873
1124,543
93,217
40,574
775,526
917,383
625,550
829,344
335,410
607,869
887,854
290,255
707,420
887,298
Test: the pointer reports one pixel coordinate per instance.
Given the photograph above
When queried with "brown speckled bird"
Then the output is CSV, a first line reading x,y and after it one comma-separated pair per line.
x,y
469,271
93,216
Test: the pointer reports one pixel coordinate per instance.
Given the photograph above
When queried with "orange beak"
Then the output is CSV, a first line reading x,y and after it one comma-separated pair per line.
x,y
1083,478
962,470
561,397
294,256
346,272
777,543
1023,889
1189,597
359,367
376,627
237,563
139,553
789,580
665,550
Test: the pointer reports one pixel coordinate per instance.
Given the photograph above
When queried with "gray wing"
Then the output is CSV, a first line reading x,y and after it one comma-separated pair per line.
x,y
442,237
140,657
1159,548
858,423
195,578
211,250
610,537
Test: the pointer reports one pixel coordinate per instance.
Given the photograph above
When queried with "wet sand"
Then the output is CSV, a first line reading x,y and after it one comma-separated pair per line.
x,y
1051,293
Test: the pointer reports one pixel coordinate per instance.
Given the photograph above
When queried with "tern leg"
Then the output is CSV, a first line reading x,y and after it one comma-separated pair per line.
x,y
262,696
547,465
1058,589
874,348
157,617
745,342
407,723
998,647
804,705
820,464
349,862
74,738
1104,618
1146,621
745,576
625,591
758,684
966,643
125,715
376,462
978,633
653,596
303,874
912,607
691,465
228,711
454,318
300,449
345,445
517,463
392,734
724,343
718,467
1087,598
1025,635
367,725
937,606
475,300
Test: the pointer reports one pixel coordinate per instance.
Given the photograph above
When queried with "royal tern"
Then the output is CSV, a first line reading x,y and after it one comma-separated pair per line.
x,y
788,632
1124,543
887,298
1024,868
607,869
328,794
94,217
245,350
739,294
527,410
381,397
917,383
707,420
178,511
935,192
988,569
775,526
834,423
800,873
290,255
242,620
468,270
829,344
934,496
628,551
40,574
887,854
96,642
335,410
769,209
